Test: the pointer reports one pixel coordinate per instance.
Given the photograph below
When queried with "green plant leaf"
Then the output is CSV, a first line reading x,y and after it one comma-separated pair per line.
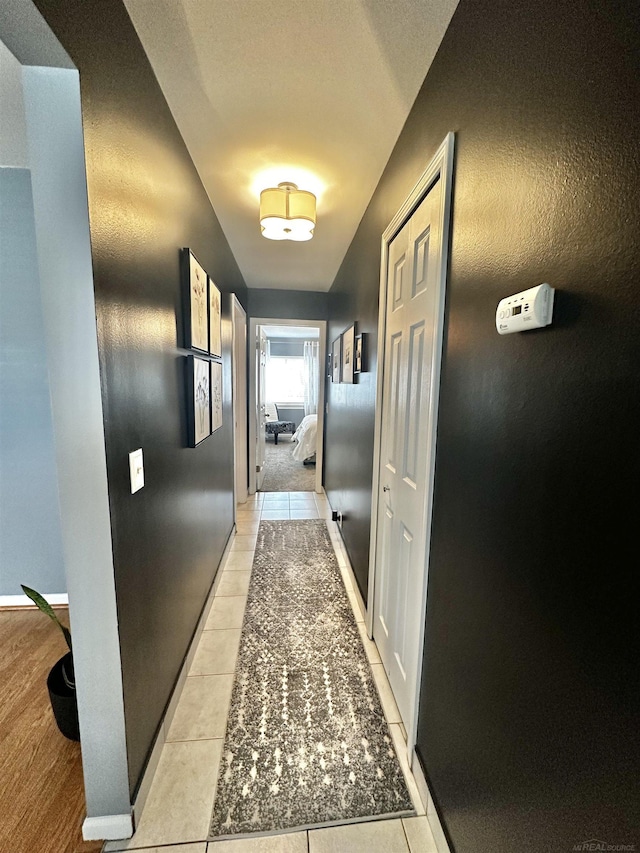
x,y
46,608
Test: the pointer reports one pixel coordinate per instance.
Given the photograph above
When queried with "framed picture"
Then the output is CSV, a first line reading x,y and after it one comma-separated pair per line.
x,y
348,353
199,399
358,358
216,395
336,360
215,337
195,303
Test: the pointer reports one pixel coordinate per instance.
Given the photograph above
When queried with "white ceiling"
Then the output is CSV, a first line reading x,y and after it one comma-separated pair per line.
x,y
310,91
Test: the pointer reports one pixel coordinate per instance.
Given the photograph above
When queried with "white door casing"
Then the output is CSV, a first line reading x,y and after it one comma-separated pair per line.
x,y
239,323
254,326
413,278
260,407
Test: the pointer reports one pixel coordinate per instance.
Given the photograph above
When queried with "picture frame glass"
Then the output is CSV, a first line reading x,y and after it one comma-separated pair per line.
x,y
201,399
215,331
198,325
348,347
336,360
357,356
216,395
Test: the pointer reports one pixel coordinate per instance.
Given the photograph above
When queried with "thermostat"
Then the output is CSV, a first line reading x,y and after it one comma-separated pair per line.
x,y
530,309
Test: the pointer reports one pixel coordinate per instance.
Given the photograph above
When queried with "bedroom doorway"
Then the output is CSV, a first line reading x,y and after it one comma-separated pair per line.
x,y
286,405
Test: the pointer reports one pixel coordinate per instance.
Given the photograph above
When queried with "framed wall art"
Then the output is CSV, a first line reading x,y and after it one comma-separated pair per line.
x,y
216,395
215,334
336,360
195,302
359,355
199,385
348,352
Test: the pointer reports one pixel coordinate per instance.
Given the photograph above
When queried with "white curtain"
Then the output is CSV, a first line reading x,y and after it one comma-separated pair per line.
x,y
311,377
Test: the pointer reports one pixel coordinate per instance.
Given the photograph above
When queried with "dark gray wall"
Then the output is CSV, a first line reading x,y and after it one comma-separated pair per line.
x,y
288,304
146,202
528,710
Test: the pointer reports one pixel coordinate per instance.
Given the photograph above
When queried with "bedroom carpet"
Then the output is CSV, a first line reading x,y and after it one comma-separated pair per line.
x,y
283,473
307,743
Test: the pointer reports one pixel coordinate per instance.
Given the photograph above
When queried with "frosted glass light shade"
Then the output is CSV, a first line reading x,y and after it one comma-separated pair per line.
x,y
287,213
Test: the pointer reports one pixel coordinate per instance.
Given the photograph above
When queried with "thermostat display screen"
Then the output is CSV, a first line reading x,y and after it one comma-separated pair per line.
x,y
517,309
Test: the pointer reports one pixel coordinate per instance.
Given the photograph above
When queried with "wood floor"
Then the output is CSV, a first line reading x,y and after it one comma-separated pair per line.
x,y
41,791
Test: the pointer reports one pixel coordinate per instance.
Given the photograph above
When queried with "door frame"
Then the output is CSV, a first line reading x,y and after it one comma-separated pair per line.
x,y
254,322
239,374
441,166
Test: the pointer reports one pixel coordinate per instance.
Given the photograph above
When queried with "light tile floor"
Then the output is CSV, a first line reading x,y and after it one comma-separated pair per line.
x,y
180,802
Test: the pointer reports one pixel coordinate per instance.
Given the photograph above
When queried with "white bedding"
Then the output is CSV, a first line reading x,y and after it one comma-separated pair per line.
x,y
305,436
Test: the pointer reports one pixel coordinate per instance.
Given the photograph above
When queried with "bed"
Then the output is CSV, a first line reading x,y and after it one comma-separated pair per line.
x,y
305,438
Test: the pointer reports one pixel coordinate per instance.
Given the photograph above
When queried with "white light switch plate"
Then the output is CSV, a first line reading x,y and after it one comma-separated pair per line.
x,y
136,470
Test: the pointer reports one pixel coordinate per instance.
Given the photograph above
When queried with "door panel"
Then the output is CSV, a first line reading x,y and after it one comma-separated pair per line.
x,y
414,425
386,604
399,271
410,333
421,263
395,390
403,590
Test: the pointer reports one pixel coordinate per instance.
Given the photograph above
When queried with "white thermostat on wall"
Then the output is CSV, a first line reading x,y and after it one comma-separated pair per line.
x,y
530,309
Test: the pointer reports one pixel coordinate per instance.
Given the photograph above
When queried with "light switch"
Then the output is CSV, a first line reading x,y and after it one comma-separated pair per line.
x,y
136,470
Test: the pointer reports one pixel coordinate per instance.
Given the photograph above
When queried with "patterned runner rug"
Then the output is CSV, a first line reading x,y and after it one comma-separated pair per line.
x,y
307,743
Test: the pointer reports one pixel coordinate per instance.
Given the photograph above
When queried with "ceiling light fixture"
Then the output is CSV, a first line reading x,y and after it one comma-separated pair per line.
x,y
287,213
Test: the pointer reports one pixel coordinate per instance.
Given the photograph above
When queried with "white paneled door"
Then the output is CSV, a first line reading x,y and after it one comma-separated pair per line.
x,y
410,373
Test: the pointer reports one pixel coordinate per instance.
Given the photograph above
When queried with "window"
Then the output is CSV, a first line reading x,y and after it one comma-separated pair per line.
x,y
284,380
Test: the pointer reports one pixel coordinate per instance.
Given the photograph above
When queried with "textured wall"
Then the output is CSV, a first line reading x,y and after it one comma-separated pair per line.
x,y
529,694
146,201
288,304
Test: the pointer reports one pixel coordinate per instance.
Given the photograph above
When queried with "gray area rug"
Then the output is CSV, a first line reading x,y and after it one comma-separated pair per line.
x,y
282,472
307,743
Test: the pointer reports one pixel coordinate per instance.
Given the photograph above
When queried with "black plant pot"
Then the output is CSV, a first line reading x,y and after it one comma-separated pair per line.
x,y
62,693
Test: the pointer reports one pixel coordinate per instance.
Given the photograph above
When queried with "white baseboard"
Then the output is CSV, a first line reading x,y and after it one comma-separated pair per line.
x,y
427,801
25,601
107,827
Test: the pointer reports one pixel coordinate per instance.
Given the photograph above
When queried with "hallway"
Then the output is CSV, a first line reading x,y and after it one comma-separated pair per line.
x,y
180,803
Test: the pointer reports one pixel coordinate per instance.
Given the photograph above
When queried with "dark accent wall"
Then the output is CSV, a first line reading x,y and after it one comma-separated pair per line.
x,y
288,304
146,202
348,461
528,713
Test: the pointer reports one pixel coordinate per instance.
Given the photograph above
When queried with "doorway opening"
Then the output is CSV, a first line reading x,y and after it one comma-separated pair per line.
x,y
287,405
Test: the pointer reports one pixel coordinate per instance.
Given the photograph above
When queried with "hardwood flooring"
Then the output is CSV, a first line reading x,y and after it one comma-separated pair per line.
x,y
41,788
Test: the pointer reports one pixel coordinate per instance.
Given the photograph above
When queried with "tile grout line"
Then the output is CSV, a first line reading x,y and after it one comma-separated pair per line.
x,y
406,837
